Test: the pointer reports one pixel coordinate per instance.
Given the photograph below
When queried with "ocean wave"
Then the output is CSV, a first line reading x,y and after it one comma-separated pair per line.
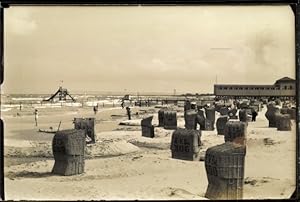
x,y
27,98
5,109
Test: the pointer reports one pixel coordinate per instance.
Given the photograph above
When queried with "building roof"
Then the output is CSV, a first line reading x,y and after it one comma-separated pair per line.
x,y
284,79
242,85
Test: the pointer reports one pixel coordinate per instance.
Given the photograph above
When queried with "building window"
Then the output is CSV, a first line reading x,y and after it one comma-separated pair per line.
x,y
246,88
273,88
256,88
220,88
291,87
225,88
285,87
230,88
241,88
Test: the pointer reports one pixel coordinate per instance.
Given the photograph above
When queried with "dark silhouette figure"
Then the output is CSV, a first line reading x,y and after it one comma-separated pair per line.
x,y
95,109
128,113
254,114
36,116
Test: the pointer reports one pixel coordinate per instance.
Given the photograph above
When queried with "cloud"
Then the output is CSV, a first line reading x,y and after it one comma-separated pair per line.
x,y
261,43
160,65
19,21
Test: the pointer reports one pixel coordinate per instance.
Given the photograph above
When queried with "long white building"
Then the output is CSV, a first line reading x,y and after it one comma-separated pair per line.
x,y
284,87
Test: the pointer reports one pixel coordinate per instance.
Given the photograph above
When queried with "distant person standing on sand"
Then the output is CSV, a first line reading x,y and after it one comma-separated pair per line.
x,y
95,109
254,114
128,113
20,106
36,116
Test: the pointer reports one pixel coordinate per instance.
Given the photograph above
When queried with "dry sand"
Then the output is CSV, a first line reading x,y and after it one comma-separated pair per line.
x,y
125,165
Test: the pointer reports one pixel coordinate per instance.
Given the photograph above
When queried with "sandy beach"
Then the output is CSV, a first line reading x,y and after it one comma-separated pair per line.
x,y
67,62
124,165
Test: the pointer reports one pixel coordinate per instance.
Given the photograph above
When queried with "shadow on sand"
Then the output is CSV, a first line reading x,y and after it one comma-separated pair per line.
x,y
27,174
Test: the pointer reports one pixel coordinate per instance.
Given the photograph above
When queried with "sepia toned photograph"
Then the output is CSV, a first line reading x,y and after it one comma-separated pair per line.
x,y
149,102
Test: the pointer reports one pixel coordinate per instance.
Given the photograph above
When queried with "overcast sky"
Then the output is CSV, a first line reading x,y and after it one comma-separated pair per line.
x,y
152,49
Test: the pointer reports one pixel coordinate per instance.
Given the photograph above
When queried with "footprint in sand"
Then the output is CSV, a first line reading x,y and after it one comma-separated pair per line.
x,y
257,182
178,192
